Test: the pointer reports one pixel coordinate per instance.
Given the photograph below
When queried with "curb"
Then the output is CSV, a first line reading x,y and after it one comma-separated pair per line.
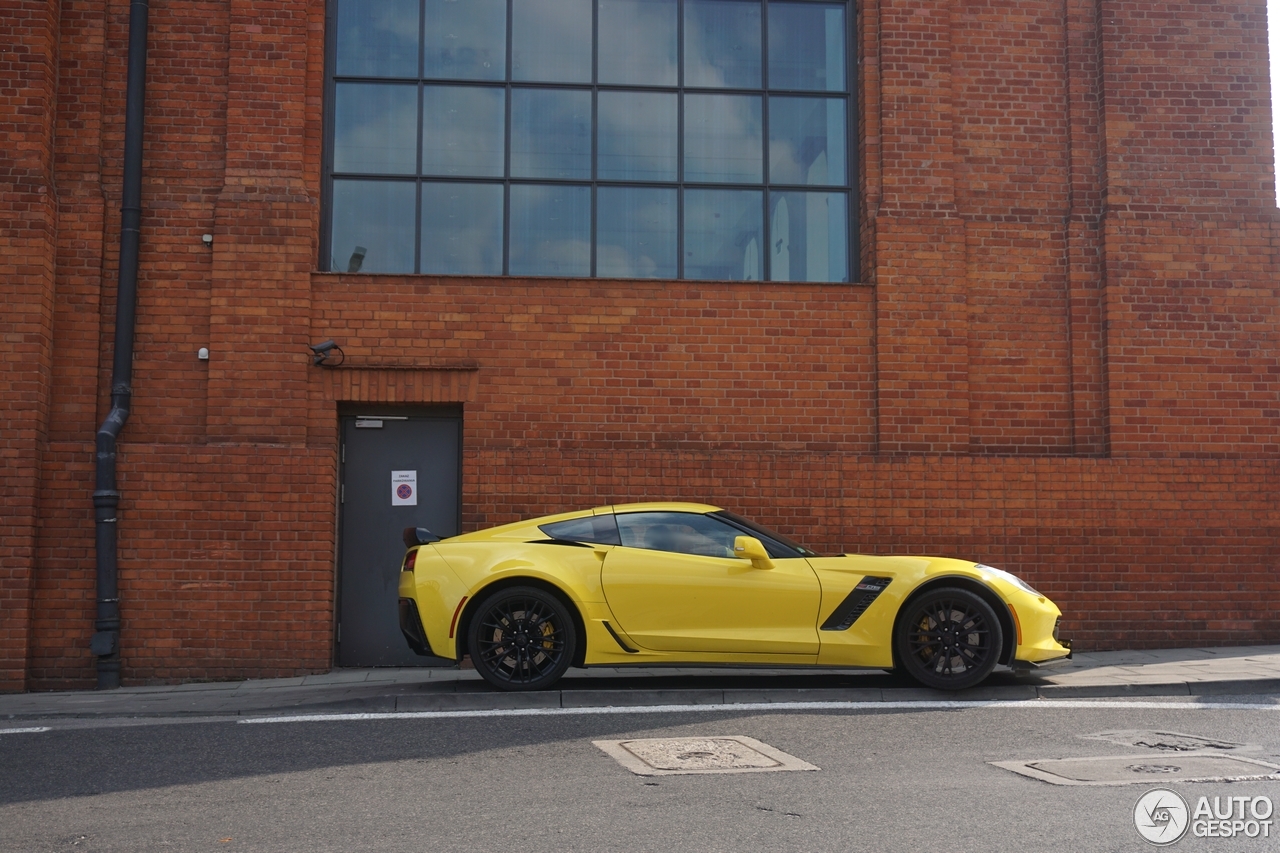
x,y
616,698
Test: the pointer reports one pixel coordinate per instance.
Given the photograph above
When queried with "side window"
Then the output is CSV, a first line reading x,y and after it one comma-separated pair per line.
x,y
599,529
669,139
679,532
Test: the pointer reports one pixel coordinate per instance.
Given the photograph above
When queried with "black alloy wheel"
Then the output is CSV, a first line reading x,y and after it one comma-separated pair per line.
x,y
522,638
949,639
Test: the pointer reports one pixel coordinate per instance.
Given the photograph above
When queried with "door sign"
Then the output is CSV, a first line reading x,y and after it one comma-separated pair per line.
x,y
404,488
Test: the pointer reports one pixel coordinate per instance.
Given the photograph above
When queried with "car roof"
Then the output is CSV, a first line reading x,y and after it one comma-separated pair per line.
x,y
528,528
659,506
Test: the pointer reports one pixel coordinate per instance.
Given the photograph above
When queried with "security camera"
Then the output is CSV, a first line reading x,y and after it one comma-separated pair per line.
x,y
320,352
357,259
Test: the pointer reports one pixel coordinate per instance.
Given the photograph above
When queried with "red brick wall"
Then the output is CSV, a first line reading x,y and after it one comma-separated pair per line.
x,y
631,365
1010,134
1191,303
28,232
226,565
1061,358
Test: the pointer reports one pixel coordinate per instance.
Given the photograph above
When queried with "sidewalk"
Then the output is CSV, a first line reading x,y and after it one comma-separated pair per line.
x,y
1167,672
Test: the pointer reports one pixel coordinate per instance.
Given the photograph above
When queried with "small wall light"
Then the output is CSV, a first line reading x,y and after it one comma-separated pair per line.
x,y
320,354
203,354
207,239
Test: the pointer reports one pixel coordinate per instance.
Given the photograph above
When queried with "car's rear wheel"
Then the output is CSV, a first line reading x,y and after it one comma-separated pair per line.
x,y
522,638
949,639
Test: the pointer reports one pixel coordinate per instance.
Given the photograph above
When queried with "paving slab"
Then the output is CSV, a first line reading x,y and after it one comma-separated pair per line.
x,y
478,701
625,698
338,676
981,693
830,694
1227,688
401,676
1093,691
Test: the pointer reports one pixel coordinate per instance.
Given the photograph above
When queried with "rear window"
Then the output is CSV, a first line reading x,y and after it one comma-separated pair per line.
x,y
599,529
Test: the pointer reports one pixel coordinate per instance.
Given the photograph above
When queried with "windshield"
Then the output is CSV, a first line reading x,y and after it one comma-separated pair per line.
x,y
769,538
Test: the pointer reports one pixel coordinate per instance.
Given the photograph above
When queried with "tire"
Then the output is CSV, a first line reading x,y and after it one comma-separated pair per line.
x,y
948,639
522,638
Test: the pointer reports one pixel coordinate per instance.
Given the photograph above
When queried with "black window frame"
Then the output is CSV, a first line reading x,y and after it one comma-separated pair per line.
x,y
778,546
766,188
555,530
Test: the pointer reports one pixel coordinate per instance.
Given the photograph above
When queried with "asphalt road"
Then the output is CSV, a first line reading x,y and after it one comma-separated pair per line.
x,y
889,780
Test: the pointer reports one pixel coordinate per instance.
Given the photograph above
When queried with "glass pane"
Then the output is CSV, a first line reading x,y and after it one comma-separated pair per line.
x,y
466,41
375,128
372,226
462,130
635,232
638,42
550,133
722,44
678,532
550,230
638,135
723,234
806,141
377,38
597,528
722,138
806,47
551,41
809,234
462,229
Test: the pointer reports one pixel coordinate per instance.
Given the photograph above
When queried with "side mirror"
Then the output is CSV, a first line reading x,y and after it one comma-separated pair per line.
x,y
751,548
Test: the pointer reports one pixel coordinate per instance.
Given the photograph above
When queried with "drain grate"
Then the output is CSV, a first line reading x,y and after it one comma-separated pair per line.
x,y
1165,741
1125,770
680,756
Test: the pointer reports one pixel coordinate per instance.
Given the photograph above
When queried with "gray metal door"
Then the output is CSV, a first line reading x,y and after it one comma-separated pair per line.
x,y
396,472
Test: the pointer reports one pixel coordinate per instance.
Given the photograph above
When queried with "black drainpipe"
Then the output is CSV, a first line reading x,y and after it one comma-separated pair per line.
x,y
106,640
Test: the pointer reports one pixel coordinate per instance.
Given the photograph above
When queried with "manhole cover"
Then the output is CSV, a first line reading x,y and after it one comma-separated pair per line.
x,y
1165,741
681,755
1123,770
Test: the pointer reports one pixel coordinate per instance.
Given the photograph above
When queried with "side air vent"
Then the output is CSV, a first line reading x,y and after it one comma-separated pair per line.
x,y
855,603
618,640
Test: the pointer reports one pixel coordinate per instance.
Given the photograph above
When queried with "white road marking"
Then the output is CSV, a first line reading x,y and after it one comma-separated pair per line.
x,y
923,705
30,730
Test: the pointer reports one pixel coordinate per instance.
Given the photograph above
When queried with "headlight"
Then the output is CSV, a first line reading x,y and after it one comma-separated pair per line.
x,y
1011,578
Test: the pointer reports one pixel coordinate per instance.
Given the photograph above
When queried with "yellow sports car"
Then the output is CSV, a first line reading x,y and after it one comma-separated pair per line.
x,y
684,583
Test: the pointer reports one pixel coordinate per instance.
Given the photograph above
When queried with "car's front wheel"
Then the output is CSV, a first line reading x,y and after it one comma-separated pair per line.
x,y
949,639
522,638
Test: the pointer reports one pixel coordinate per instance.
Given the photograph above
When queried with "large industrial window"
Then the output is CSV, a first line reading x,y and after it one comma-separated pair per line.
x,y
699,139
